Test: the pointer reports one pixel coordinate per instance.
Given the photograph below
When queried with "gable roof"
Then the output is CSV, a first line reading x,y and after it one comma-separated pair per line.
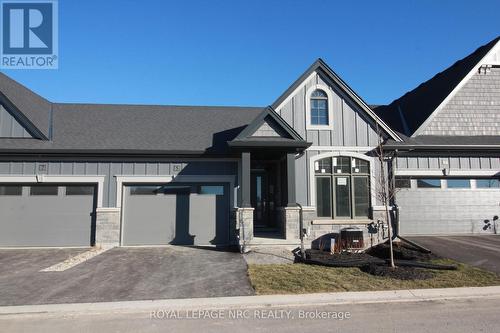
x,y
320,66
409,112
31,110
139,129
289,138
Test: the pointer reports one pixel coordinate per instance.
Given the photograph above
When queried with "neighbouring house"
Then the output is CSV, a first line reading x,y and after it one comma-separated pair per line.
x,y
110,175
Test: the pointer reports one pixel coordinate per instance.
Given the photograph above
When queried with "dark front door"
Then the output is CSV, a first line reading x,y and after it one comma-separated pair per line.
x,y
260,198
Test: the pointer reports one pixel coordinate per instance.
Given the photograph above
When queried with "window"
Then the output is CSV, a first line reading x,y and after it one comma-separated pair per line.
x,y
11,190
324,196
145,190
488,183
402,182
458,183
342,187
43,190
319,108
429,183
212,189
80,190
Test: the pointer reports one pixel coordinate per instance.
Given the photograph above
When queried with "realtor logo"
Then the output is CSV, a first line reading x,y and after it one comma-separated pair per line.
x,y
29,34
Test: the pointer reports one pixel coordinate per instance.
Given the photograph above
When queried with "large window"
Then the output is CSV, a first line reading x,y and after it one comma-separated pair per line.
x,y
458,183
429,183
488,183
342,187
319,108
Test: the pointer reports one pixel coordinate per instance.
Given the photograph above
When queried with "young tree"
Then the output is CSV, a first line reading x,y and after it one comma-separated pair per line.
x,y
385,191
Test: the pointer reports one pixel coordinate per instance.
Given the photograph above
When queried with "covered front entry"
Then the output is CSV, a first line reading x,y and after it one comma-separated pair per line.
x,y
175,213
267,204
47,215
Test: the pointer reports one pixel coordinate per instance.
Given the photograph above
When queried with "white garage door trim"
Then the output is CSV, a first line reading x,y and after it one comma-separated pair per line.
x,y
122,180
40,179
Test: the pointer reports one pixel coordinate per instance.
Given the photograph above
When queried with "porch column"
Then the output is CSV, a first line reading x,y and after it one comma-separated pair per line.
x,y
290,180
290,213
245,180
245,212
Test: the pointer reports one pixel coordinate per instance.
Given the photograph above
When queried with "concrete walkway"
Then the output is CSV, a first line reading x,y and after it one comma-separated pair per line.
x,y
244,302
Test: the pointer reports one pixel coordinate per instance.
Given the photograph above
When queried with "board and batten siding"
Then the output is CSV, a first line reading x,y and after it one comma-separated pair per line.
x,y
10,127
111,169
349,126
473,110
457,163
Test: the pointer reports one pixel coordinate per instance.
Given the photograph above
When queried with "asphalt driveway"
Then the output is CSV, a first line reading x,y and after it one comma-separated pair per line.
x,y
479,251
121,274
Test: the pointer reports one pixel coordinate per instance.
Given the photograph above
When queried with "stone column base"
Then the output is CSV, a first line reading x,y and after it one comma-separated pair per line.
x,y
289,218
244,223
107,229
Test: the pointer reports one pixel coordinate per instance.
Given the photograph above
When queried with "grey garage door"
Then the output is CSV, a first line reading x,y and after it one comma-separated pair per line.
x,y
430,211
181,214
46,215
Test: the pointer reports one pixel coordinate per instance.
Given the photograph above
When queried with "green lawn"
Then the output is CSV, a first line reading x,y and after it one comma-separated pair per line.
x,y
301,278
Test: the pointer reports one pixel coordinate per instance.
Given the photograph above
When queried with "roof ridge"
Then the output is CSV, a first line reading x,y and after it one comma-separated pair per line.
x,y
159,105
454,65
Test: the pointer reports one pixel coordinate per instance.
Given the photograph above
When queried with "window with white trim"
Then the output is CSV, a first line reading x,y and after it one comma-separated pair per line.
x,y
319,108
342,187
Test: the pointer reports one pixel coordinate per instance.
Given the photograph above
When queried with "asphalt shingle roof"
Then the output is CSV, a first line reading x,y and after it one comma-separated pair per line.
x,y
418,104
140,128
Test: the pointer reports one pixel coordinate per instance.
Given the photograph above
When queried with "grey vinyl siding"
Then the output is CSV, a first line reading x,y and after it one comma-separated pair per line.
x,y
457,163
10,127
350,126
111,169
473,110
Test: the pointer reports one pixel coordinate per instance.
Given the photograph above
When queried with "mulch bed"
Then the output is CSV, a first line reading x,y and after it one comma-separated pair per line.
x,y
400,273
375,261
401,251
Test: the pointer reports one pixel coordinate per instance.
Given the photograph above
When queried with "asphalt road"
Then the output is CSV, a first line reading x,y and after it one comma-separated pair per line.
x,y
465,315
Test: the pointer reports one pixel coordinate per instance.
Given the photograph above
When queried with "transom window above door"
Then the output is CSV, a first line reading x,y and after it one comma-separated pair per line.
x,y
342,187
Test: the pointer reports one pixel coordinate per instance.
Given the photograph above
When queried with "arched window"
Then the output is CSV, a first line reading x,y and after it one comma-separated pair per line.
x,y
319,108
342,187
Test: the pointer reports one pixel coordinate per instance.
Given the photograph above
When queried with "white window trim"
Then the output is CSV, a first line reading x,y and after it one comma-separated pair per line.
x,y
99,180
312,174
329,93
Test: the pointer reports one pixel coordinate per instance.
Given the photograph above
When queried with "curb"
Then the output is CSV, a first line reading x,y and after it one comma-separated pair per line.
x,y
220,303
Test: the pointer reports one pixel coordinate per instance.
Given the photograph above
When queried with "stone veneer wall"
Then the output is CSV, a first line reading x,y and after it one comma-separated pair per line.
x,y
244,224
107,232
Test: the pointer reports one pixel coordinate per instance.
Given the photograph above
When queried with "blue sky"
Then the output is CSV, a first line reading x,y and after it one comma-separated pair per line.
x,y
249,52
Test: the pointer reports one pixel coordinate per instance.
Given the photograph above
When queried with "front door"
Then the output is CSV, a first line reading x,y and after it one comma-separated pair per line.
x,y
260,198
